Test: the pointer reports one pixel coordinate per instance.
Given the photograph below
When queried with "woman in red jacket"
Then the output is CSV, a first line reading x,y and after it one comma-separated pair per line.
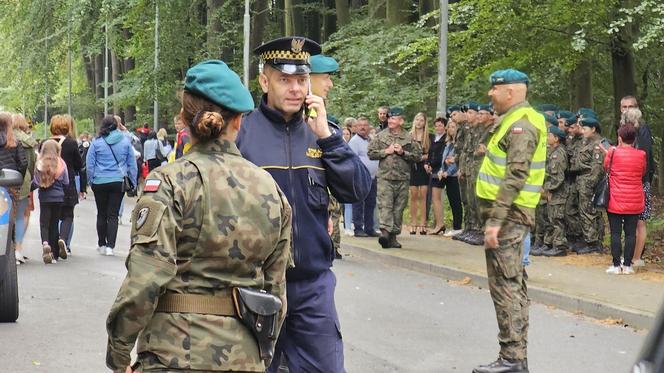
x,y
626,198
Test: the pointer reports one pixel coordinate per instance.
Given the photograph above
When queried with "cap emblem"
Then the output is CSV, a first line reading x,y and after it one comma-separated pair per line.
x,y
297,45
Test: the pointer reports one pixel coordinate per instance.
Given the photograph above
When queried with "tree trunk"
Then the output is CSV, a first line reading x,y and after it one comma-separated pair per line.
x,y
582,85
89,63
115,73
257,31
660,168
425,7
293,24
312,19
356,4
130,110
214,29
624,82
279,17
343,13
398,12
377,9
329,20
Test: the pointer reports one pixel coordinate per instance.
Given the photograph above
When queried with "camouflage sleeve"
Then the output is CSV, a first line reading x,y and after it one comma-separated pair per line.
x,y
275,265
151,264
415,155
376,150
556,177
520,144
583,160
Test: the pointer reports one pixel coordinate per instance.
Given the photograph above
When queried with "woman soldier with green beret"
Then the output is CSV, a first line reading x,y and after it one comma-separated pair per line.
x,y
209,229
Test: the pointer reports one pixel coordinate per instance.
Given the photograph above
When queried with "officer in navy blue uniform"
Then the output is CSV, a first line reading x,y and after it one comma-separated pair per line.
x,y
305,155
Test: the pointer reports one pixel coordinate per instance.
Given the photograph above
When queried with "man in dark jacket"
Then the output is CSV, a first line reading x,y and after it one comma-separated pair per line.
x,y
305,157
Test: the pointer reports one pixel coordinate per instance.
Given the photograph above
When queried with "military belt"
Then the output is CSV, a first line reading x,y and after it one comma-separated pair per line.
x,y
196,303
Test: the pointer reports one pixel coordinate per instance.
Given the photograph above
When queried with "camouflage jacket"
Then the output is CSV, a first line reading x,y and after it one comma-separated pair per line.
x,y
572,145
394,166
210,222
484,134
589,160
464,137
554,181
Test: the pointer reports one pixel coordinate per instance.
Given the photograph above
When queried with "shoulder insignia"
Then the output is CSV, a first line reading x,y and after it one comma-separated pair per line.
x,y
517,130
596,155
142,217
151,185
314,153
596,147
555,156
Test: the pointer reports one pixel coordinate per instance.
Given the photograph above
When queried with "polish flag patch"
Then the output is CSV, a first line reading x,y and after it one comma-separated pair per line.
x,y
151,185
517,130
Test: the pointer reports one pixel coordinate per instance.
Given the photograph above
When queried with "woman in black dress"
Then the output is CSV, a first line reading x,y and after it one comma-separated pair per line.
x,y
419,177
432,165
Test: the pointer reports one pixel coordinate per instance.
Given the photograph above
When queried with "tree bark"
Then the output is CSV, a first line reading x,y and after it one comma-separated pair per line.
x,y
427,6
214,29
115,73
257,30
398,12
128,65
89,63
582,85
293,20
329,20
279,17
377,9
313,29
357,4
660,168
343,13
624,81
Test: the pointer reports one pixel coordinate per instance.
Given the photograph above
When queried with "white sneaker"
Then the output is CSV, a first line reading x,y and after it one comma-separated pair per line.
x,y
452,232
614,270
348,232
628,270
638,263
101,250
109,251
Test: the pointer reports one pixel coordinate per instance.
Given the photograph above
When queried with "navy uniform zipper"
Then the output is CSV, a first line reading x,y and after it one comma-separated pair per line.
x,y
296,251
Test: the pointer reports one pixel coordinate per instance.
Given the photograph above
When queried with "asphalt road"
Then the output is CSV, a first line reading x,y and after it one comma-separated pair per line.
x,y
393,320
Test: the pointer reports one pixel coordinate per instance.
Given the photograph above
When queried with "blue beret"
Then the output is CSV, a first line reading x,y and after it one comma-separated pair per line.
x,y
395,111
215,81
548,107
508,76
321,64
588,122
550,119
570,121
564,114
586,113
486,107
557,131
472,105
451,109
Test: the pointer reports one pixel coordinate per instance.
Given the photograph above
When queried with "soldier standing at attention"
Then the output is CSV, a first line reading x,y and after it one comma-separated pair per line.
x,y
207,227
555,242
464,135
572,145
396,150
306,155
509,185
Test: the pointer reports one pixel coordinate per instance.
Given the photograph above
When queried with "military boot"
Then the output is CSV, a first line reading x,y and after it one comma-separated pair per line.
x,y
554,251
477,239
458,237
393,241
384,239
504,366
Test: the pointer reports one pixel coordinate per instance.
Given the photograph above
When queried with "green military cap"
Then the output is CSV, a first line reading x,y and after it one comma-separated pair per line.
x,y
321,64
589,122
333,119
215,81
290,55
508,76
472,105
395,111
550,119
557,131
451,109
570,121
485,107
548,107
564,114
586,113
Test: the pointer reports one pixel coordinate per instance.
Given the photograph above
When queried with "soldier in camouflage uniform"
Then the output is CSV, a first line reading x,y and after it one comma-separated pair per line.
x,y
508,186
464,137
195,238
396,150
573,223
555,242
589,167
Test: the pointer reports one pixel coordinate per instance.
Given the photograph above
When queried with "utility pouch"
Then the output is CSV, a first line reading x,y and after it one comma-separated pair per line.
x,y
259,311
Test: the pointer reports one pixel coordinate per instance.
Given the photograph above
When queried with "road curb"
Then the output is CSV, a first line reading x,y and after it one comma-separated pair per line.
x,y
587,307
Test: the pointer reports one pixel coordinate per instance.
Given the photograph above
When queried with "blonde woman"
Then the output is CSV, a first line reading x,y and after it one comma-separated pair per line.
x,y
419,177
21,128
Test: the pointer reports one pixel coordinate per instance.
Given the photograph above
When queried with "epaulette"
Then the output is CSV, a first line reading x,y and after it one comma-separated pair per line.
x,y
334,128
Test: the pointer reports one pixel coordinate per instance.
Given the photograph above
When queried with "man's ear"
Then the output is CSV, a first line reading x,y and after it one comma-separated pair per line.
x,y
264,80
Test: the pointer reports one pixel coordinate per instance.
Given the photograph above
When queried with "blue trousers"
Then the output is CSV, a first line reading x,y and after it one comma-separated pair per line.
x,y
526,250
363,211
310,339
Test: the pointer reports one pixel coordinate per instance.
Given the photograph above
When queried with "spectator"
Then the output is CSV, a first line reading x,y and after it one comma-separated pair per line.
x,y
363,211
154,151
162,136
449,177
62,128
182,144
631,114
21,130
350,124
432,165
143,133
51,178
83,146
626,166
382,118
110,158
348,207
419,178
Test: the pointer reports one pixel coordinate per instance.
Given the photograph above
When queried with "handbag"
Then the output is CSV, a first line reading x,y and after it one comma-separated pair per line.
x,y
127,184
601,196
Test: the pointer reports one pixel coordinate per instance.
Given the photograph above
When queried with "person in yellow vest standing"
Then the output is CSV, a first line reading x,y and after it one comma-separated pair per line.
x,y
508,188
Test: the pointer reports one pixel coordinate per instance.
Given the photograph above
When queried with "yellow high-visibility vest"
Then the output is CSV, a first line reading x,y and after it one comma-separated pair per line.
x,y
492,171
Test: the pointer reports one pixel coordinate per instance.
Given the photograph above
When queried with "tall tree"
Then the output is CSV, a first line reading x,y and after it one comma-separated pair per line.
x,y
398,12
377,9
343,13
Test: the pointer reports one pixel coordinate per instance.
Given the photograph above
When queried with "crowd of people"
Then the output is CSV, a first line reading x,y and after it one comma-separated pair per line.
x,y
413,168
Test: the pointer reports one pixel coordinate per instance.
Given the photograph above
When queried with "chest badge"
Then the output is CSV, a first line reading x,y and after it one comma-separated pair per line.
x,y
151,185
142,217
314,153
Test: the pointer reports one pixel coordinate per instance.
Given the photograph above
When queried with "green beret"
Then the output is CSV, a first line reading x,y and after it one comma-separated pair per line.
x,y
508,76
564,114
586,113
589,122
570,121
321,64
557,131
472,105
395,111
550,119
215,81
548,107
333,119
486,107
451,109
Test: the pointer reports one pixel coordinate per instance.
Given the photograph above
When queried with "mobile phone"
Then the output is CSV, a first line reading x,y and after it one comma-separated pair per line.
x,y
311,113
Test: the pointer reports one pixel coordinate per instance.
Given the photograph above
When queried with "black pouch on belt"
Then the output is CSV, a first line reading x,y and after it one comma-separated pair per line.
x,y
259,311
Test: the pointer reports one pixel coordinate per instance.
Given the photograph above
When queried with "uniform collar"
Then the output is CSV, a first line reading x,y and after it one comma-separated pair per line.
x,y
217,146
512,109
276,117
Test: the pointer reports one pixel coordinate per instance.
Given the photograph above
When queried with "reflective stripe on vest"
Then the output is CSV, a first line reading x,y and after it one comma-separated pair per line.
x,y
492,171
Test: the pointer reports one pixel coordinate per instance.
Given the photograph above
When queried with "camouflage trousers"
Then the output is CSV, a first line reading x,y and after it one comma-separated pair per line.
x,y
555,232
473,206
590,216
392,200
507,286
335,214
463,189
541,224
572,220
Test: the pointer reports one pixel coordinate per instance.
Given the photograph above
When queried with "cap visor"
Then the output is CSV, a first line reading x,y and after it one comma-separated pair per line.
x,y
292,69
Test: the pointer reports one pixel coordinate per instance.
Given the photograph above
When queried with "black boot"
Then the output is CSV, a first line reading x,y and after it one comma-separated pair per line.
x,y
554,251
460,236
384,239
477,239
503,366
393,241
337,254
536,250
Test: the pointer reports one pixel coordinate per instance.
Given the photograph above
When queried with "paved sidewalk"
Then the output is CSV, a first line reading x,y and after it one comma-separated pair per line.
x,y
573,283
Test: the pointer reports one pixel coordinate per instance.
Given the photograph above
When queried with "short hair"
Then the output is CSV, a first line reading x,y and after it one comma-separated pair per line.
x,y
631,116
630,97
20,122
384,108
627,133
362,117
350,121
440,119
60,125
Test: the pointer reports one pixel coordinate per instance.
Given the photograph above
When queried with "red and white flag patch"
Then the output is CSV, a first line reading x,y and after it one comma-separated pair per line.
x,y
517,130
151,185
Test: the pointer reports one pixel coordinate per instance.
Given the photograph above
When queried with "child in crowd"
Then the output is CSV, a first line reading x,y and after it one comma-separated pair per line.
x,y
51,177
